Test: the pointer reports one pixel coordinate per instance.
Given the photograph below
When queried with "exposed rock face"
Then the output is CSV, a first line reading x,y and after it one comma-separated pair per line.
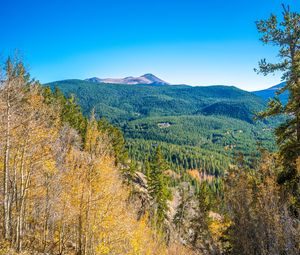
x,y
140,182
144,79
140,195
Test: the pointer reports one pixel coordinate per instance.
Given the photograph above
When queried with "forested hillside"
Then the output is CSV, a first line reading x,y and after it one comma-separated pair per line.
x,y
119,102
189,122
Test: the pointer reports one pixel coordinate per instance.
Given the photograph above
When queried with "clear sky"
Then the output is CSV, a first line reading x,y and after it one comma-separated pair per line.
x,y
181,41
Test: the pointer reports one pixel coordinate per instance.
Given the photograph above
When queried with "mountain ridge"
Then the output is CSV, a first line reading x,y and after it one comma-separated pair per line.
x,y
120,101
147,78
269,93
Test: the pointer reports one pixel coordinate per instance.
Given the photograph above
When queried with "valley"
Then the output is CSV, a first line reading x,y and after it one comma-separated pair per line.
x,y
190,123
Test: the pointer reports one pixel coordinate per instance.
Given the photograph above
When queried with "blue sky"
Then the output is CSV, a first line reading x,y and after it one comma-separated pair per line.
x,y
181,41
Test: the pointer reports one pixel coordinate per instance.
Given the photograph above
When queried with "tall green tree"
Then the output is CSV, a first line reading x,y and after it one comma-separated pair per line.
x,y
285,34
117,141
70,111
158,189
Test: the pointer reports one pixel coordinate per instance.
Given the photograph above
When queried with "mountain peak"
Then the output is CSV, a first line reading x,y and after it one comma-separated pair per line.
x,y
149,75
148,78
153,78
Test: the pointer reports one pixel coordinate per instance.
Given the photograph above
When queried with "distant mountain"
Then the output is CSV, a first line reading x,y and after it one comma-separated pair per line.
x,y
196,126
119,102
269,93
144,79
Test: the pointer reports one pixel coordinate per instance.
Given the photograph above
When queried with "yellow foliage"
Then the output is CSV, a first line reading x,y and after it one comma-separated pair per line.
x,y
66,198
298,166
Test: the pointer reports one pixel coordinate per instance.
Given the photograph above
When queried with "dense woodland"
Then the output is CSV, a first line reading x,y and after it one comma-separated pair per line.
x,y
215,119
205,178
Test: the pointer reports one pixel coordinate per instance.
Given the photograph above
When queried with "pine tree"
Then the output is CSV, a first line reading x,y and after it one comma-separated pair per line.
x,y
117,141
285,34
199,223
158,189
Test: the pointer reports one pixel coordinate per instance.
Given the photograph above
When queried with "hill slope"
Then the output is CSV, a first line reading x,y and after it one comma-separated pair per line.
x,y
199,127
119,102
266,94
